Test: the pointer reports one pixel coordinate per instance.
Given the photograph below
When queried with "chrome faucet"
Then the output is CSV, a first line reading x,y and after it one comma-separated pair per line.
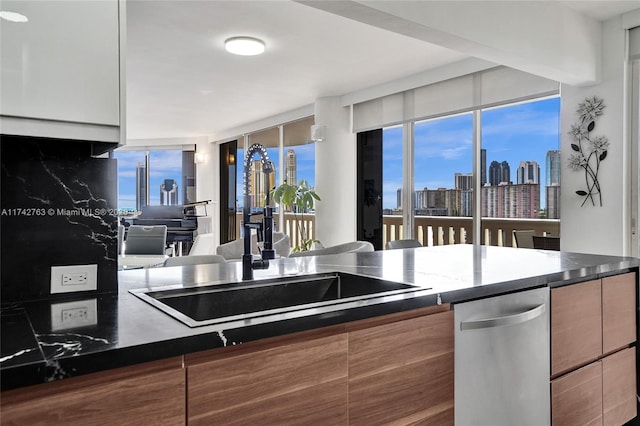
x,y
266,227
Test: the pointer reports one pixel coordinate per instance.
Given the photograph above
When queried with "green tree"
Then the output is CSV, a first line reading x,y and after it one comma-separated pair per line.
x,y
299,199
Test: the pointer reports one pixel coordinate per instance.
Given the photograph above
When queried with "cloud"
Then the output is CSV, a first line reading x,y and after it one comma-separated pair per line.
x,y
448,141
523,119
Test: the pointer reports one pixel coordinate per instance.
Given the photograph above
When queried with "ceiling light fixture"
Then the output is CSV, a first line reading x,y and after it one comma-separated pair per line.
x,y
245,46
13,16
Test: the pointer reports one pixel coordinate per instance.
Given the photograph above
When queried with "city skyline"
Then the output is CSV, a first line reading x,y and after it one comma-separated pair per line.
x,y
166,164
443,147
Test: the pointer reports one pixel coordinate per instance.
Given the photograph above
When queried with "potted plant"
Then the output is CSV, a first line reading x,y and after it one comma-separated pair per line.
x,y
299,199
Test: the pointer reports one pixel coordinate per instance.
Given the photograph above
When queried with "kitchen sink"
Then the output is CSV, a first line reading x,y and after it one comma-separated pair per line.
x,y
271,299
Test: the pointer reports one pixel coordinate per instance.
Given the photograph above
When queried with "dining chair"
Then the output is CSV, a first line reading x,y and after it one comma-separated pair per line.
x,y
146,239
400,244
349,247
524,239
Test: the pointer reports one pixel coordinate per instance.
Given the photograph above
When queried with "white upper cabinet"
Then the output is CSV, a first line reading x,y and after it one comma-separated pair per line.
x,y
61,70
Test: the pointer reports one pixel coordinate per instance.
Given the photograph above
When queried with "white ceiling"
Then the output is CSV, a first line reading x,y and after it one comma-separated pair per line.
x,y
181,83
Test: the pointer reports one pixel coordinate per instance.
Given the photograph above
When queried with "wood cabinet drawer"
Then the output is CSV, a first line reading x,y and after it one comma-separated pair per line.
x,y
576,325
576,398
618,311
619,387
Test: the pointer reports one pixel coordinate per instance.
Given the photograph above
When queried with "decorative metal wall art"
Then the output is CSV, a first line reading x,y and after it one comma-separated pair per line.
x,y
589,150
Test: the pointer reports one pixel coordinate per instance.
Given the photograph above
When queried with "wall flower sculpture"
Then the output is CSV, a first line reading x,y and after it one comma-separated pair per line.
x,y
589,150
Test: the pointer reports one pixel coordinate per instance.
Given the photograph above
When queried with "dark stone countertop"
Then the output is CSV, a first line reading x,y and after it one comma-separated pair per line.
x,y
125,330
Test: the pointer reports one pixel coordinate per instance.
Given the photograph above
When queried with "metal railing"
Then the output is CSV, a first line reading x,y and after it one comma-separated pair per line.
x,y
436,230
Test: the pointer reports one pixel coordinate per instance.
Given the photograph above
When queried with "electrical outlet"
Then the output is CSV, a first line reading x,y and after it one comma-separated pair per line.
x,y
74,278
67,279
75,314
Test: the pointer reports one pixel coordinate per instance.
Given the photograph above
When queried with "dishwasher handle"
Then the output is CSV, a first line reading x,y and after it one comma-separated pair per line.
x,y
505,320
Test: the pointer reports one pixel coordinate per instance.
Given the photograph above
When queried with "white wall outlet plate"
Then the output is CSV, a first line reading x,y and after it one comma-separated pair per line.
x,y
67,279
80,313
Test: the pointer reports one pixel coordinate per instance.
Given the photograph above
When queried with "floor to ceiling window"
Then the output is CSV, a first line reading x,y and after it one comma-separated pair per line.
x,y
392,171
155,177
521,145
443,177
517,173
292,155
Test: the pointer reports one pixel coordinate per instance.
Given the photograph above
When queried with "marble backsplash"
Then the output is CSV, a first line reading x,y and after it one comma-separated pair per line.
x,y
58,207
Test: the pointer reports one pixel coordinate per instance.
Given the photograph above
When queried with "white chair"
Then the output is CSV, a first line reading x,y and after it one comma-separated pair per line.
x,y
400,244
202,245
146,240
197,259
350,247
234,250
281,244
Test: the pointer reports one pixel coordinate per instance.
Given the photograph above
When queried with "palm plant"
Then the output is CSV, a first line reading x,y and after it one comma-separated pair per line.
x,y
299,199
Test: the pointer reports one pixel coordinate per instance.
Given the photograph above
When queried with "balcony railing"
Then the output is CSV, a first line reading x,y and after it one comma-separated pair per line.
x,y
291,222
443,230
437,230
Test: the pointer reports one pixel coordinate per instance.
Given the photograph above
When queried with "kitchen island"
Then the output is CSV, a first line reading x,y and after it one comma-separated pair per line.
x,y
126,333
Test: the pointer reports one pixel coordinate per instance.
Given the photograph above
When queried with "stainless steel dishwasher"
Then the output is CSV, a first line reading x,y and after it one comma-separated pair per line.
x,y
502,360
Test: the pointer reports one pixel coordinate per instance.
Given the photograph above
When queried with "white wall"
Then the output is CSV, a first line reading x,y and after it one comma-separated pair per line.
x,y
590,229
335,174
207,186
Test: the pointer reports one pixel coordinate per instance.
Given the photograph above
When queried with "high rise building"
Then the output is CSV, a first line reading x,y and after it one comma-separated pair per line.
x,y
499,173
261,184
463,182
290,172
553,168
553,201
511,201
505,172
483,167
419,199
141,186
442,201
466,203
169,192
528,172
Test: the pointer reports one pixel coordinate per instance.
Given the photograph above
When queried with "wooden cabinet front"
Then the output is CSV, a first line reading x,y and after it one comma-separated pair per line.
x,y
576,398
576,325
153,392
396,369
619,387
618,312
296,383
594,323
402,372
